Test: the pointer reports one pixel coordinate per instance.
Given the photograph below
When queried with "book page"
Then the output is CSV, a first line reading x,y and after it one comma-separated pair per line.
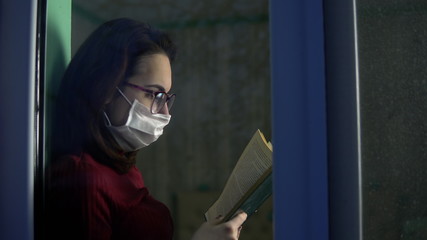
x,y
253,166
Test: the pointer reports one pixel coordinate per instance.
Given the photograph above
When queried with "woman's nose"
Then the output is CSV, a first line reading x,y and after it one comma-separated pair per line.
x,y
165,109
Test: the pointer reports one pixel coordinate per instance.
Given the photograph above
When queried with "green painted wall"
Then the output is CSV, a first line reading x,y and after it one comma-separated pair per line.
x,y
58,48
58,54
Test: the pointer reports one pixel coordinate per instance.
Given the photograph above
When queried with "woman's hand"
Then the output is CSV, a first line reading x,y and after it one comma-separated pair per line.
x,y
225,231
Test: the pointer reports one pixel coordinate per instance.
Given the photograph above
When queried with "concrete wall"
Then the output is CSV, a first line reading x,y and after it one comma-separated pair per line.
x,y
393,77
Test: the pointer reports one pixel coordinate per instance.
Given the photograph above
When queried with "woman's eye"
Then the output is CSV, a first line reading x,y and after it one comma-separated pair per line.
x,y
149,95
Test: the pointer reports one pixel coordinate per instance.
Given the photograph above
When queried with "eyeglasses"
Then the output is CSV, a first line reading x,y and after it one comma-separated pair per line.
x,y
160,98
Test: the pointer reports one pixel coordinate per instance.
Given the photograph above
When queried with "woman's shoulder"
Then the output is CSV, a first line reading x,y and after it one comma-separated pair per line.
x,y
82,173
80,161
79,168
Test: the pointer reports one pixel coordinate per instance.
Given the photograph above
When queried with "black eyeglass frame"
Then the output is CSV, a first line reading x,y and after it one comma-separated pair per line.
x,y
169,100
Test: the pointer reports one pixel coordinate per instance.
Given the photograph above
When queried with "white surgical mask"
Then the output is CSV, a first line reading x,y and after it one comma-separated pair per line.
x,y
141,128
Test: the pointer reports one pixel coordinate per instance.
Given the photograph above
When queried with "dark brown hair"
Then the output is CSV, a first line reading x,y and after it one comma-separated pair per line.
x,y
106,59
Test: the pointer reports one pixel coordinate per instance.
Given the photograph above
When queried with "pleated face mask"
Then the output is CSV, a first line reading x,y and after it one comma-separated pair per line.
x,y
141,128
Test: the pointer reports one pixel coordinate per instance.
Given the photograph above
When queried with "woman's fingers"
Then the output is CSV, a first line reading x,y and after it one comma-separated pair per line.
x,y
234,226
217,220
238,231
238,220
228,230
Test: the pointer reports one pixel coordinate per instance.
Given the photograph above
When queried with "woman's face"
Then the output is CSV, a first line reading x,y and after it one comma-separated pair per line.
x,y
152,72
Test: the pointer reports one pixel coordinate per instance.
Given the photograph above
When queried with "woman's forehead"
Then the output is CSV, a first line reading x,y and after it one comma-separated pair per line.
x,y
154,70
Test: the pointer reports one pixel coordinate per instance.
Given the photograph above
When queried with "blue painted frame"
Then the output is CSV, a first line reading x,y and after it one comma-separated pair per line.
x,y
344,156
299,120
17,138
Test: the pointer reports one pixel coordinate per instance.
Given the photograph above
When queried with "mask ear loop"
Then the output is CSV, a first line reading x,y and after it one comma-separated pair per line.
x,y
120,91
106,118
127,100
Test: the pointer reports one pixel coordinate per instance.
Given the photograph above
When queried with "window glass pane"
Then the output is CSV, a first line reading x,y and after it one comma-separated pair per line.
x,y
221,78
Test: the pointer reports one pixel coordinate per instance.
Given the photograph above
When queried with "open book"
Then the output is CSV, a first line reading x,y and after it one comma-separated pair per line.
x,y
249,184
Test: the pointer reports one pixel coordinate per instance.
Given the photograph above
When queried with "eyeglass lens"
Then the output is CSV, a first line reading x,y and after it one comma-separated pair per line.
x,y
160,100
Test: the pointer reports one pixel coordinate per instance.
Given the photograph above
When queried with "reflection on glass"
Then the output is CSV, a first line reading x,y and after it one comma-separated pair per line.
x,y
221,79
392,57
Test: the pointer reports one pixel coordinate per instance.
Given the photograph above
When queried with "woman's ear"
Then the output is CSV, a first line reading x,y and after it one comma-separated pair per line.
x,y
111,96
108,101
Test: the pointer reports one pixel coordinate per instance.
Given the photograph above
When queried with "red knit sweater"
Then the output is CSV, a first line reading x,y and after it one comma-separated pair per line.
x,y
88,200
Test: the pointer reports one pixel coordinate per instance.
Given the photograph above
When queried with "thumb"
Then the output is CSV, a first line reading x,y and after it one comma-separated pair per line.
x,y
219,219
239,219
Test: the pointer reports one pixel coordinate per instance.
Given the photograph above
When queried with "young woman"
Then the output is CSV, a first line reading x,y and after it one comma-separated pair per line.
x,y
113,100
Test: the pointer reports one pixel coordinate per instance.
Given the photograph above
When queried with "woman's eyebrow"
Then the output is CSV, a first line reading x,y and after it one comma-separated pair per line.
x,y
160,88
